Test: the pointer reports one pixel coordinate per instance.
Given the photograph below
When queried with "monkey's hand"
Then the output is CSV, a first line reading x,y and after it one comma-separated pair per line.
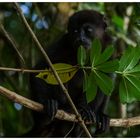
x,y
102,123
50,109
87,114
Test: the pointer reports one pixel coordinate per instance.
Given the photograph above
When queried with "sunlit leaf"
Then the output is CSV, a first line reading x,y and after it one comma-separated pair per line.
x,y
65,72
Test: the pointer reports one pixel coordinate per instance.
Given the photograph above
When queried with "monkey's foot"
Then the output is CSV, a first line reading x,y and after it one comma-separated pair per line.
x,y
87,114
102,123
50,109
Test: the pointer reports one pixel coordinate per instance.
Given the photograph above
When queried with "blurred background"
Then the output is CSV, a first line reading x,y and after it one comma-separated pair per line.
x,y
49,22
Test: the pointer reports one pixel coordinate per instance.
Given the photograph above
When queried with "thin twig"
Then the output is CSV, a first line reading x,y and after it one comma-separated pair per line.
x,y
35,71
62,115
21,70
52,68
11,40
39,14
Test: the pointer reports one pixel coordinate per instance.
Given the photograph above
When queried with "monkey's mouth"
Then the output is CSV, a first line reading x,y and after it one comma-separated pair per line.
x,y
86,45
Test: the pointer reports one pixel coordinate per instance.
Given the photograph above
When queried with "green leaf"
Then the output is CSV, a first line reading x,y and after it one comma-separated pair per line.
x,y
91,90
134,82
85,82
65,72
106,54
129,59
81,56
125,96
118,21
135,72
104,82
135,69
129,89
99,63
109,66
95,52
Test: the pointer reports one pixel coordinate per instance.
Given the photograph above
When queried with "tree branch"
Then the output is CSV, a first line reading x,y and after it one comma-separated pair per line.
x,y
34,105
52,68
22,70
62,115
33,71
12,41
125,122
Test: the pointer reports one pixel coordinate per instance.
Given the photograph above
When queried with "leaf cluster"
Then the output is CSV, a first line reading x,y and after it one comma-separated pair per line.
x,y
129,70
101,66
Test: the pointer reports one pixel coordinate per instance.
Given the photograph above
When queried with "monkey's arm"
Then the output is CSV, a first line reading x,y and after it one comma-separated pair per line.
x,y
98,106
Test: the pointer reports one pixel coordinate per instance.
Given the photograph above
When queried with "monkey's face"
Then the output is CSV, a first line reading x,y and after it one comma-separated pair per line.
x,y
85,34
86,25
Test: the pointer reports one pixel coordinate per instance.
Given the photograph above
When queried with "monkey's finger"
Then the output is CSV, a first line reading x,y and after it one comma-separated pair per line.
x,y
54,108
105,123
88,115
98,122
50,109
84,113
91,117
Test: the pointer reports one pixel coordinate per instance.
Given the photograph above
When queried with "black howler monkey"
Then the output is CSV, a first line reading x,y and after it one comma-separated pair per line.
x,y
83,27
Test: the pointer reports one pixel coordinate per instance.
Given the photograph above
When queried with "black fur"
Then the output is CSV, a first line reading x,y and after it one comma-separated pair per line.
x,y
83,27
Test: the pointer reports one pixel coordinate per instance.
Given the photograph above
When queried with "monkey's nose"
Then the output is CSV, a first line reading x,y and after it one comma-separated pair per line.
x,y
82,39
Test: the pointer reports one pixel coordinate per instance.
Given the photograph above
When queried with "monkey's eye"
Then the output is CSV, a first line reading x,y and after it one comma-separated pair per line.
x,y
89,29
75,31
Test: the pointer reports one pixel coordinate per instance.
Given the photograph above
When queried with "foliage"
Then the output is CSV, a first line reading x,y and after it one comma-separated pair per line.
x,y
129,70
129,87
100,65
49,22
65,72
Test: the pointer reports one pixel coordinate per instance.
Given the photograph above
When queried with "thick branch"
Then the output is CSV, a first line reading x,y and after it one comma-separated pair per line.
x,y
34,105
52,68
62,115
125,122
